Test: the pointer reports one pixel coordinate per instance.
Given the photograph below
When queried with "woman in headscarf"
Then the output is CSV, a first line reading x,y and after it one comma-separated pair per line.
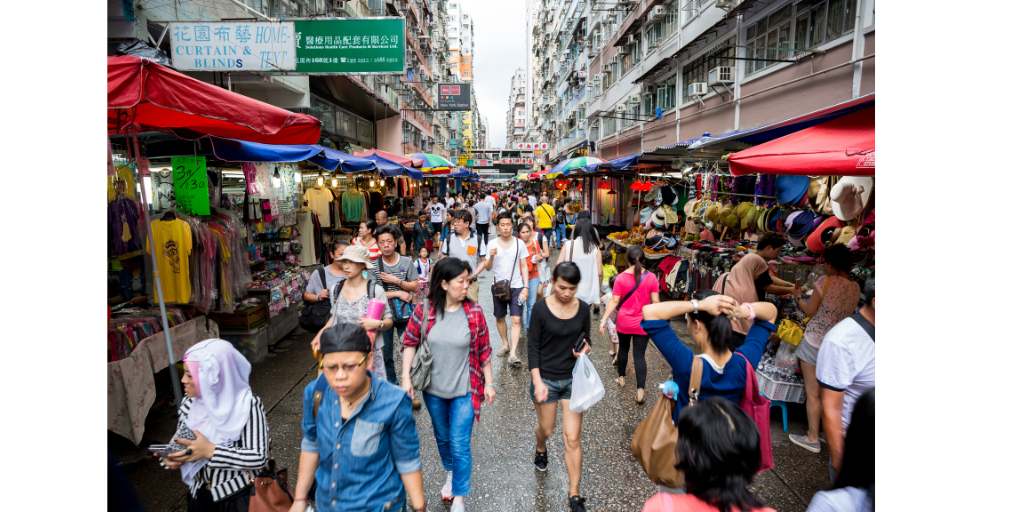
x,y
749,280
229,427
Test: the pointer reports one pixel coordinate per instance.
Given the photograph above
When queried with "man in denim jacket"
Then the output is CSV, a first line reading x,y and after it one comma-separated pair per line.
x,y
361,446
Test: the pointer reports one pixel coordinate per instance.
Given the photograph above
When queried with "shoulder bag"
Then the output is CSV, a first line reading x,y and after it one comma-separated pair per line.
x,y
270,491
758,408
654,441
423,360
314,316
427,242
401,310
503,288
630,293
792,332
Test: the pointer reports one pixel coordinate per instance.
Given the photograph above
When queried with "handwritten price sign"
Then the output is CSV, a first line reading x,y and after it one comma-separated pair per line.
x,y
190,185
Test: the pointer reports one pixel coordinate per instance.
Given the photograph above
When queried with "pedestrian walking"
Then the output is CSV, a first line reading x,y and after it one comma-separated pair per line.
x,y
421,232
465,245
834,299
719,454
507,256
399,277
558,322
560,220
382,220
634,288
316,289
460,375
546,218
364,238
436,210
354,420
538,253
350,299
228,427
584,249
854,488
483,219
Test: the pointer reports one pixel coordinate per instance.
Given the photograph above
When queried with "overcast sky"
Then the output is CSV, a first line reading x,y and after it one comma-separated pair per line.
x,y
500,32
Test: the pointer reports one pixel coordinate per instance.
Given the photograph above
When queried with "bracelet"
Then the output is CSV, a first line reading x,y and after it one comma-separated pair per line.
x,y
491,385
750,306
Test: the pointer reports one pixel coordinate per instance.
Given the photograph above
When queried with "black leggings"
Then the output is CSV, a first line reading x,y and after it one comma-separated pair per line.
x,y
639,356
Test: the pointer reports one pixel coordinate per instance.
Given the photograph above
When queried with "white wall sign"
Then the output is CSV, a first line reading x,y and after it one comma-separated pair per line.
x,y
233,46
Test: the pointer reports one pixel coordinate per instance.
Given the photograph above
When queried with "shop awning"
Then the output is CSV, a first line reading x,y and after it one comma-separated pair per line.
x,y
773,131
332,159
840,147
614,165
389,168
155,97
230,150
398,159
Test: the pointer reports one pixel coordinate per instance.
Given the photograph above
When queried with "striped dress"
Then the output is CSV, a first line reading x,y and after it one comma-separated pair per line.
x,y
228,470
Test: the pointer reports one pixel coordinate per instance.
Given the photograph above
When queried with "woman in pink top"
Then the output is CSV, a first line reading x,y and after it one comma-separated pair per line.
x,y
719,453
634,288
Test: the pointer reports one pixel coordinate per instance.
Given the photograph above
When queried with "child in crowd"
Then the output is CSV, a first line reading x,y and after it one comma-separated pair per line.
x,y
610,272
423,266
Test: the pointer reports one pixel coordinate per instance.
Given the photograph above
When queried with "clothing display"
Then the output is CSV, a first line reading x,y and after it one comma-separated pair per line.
x,y
173,239
353,206
285,284
319,199
124,218
305,225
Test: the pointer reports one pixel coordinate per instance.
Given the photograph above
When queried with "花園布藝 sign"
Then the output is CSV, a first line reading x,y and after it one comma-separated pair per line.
x,y
453,97
233,46
350,45
191,188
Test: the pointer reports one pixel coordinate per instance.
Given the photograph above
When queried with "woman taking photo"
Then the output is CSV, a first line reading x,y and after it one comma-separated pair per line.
x,y
834,298
316,289
557,323
719,453
708,323
634,288
229,425
366,239
538,253
354,299
585,251
460,375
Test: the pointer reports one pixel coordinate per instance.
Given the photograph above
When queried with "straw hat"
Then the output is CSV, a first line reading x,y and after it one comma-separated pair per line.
x,y
688,208
790,189
821,237
732,221
749,220
356,254
670,214
850,196
711,215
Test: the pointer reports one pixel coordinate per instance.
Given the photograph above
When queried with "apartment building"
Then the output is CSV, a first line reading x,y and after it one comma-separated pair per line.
x,y
654,73
460,41
515,117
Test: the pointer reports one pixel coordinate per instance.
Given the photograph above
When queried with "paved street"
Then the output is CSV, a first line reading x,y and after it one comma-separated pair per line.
x,y
503,441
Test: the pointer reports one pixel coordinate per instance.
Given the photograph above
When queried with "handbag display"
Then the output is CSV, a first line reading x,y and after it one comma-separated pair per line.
x,y
758,408
654,441
792,332
503,289
422,361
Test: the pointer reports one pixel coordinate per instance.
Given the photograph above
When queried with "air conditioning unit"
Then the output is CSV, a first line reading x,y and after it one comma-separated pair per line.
x,y
634,99
657,13
620,108
697,89
632,38
606,68
721,75
649,89
623,50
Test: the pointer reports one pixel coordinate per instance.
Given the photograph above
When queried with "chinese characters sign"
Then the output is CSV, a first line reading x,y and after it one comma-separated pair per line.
x,y
530,145
190,185
514,161
233,46
350,45
453,97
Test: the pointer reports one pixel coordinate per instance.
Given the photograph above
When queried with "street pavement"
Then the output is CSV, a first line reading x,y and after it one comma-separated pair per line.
x,y
504,478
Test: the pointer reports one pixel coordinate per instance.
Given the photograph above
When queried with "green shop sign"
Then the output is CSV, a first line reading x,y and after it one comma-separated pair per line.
x,y
349,46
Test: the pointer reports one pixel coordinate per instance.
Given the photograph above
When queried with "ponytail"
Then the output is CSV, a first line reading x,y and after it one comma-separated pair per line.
x,y
635,256
719,326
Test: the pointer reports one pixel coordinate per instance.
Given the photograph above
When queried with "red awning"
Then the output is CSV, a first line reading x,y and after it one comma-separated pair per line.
x,y
159,98
841,147
398,159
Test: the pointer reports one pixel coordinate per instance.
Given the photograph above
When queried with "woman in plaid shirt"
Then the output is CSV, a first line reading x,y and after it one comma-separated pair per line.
x,y
460,375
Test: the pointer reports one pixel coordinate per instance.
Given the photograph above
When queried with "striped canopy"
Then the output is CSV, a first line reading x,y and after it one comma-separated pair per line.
x,y
432,162
572,163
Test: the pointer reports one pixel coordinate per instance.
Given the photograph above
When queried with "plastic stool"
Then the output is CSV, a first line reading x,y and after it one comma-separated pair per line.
x,y
785,412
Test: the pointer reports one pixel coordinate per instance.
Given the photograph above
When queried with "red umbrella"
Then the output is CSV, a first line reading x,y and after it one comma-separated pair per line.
x,y
844,146
398,159
158,98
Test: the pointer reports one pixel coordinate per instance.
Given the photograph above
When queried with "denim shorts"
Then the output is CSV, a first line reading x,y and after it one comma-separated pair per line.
x,y
808,353
501,309
557,390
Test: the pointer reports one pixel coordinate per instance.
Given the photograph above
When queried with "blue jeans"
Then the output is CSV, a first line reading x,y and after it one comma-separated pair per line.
x,y
453,427
530,300
561,235
396,331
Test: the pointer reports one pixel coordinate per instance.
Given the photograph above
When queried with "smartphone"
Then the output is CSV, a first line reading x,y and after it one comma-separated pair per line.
x,y
580,343
163,450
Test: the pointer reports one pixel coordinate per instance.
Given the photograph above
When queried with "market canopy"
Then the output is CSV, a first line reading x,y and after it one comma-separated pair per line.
x,y
332,159
230,150
572,163
433,162
398,159
155,97
841,147
614,165
389,168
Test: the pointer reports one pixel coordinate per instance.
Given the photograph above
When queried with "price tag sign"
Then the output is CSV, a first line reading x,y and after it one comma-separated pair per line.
x,y
190,185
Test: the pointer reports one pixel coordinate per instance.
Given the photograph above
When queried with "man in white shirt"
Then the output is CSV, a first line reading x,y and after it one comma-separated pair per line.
x,y
448,199
436,210
533,200
502,258
465,245
846,370
483,218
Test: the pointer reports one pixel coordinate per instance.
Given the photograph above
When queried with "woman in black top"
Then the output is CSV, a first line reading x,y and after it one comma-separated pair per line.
x,y
555,325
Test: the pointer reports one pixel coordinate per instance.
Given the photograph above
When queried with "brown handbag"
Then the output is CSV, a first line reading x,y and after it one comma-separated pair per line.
x,y
270,490
503,289
655,439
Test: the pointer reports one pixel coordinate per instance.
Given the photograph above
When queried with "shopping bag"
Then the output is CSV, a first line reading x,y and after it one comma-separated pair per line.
x,y
587,389
758,407
654,444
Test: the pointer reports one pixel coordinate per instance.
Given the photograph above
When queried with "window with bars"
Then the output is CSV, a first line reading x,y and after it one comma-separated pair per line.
x,y
697,71
802,27
691,9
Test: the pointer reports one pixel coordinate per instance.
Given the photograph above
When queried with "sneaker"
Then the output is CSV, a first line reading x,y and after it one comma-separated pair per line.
x,y
416,404
446,491
799,441
540,461
502,353
576,504
458,507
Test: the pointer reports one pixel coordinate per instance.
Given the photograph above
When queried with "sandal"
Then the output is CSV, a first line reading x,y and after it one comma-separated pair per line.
x,y
621,381
502,353
514,361
640,396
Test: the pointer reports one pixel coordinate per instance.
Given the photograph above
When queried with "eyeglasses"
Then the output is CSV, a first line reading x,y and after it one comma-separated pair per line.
x,y
349,368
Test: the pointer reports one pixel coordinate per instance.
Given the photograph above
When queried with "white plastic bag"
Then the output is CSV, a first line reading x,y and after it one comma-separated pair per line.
x,y
587,389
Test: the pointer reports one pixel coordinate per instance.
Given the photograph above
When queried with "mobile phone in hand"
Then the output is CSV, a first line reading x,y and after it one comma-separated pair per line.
x,y
580,344
163,450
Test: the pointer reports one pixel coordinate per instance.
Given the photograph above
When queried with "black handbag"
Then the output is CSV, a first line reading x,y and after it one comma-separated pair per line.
x,y
314,316
503,289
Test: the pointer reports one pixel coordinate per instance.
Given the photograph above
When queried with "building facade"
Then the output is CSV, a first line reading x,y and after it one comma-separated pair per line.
x,y
515,117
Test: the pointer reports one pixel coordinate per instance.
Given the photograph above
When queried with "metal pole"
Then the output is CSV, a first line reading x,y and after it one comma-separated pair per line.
x,y
175,381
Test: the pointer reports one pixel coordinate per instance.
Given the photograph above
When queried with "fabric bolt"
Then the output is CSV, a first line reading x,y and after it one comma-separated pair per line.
x,y
452,420
730,382
319,200
361,459
839,302
173,239
846,361
741,286
630,313
449,342
551,340
344,311
479,350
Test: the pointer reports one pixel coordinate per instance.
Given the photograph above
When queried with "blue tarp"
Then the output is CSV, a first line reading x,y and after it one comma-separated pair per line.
x,y
390,168
231,150
332,159
615,165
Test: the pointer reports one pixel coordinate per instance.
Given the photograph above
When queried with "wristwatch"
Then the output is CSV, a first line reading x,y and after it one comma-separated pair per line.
x,y
381,328
694,302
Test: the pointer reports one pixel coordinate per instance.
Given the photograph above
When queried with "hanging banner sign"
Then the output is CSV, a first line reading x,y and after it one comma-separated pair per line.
x,y
341,46
191,190
233,46
533,146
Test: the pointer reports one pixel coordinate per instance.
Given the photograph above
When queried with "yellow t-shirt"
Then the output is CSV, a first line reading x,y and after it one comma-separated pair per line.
x,y
545,213
608,271
173,239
